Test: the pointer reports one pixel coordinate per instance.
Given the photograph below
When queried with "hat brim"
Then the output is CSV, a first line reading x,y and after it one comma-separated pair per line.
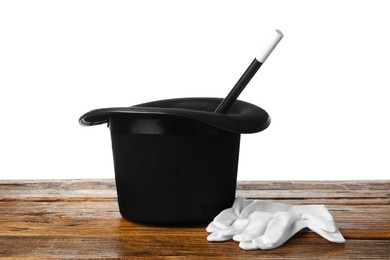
x,y
242,117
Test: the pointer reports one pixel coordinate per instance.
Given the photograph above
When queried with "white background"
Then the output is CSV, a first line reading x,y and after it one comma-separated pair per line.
x,y
326,86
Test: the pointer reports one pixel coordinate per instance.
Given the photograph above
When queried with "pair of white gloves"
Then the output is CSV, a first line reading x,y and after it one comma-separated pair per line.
x,y
259,224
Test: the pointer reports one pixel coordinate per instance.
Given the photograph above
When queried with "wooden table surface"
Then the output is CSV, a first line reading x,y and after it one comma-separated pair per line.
x,y
80,219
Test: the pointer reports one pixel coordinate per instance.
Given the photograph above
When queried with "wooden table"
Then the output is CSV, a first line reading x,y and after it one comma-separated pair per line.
x,y
80,219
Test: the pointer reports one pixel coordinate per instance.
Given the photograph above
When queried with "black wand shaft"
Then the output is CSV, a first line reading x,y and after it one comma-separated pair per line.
x,y
239,87
225,105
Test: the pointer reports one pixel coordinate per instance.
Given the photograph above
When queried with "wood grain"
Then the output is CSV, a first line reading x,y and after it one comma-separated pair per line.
x,y
80,219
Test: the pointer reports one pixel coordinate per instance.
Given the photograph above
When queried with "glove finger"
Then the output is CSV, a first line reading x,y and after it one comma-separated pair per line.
x,y
229,215
228,232
216,237
279,227
248,245
225,218
335,237
265,242
256,227
236,228
318,215
329,226
211,228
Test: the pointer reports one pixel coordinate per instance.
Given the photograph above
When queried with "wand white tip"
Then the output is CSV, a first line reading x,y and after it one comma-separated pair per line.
x,y
269,46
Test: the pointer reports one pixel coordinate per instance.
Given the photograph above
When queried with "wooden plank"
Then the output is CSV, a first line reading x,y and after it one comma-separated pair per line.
x,y
332,201
80,219
39,218
313,194
155,245
55,190
383,185
264,185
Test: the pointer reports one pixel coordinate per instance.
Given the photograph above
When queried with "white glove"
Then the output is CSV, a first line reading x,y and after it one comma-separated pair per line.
x,y
259,224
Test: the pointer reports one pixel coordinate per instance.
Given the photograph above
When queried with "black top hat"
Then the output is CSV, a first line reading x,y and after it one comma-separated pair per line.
x,y
176,160
242,117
